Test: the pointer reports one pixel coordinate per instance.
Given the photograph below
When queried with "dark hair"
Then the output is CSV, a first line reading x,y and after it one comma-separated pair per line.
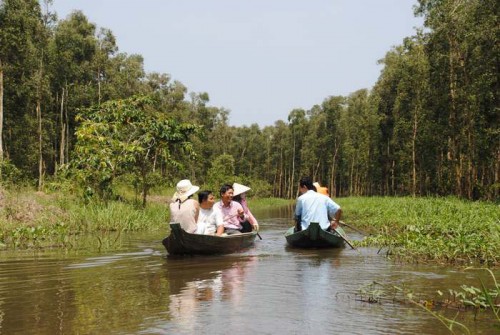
x,y
203,195
307,182
237,198
224,188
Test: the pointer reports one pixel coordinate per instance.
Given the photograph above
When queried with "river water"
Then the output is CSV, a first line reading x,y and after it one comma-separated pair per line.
x,y
134,288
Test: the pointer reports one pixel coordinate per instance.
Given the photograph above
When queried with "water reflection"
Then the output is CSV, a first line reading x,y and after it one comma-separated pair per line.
x,y
200,284
269,289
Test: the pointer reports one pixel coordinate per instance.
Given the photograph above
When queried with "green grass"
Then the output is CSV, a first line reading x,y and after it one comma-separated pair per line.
x,y
446,230
33,219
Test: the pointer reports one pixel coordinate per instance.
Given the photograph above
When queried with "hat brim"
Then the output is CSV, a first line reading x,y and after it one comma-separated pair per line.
x,y
239,189
186,195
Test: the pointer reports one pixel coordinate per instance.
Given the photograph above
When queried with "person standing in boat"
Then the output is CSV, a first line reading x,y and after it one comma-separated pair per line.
x,y
239,196
210,221
184,209
315,207
232,212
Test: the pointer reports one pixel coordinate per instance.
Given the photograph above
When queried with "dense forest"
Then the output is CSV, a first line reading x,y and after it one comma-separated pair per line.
x,y
75,108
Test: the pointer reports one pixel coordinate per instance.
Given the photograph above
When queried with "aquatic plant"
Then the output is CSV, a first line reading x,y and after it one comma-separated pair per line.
x,y
446,230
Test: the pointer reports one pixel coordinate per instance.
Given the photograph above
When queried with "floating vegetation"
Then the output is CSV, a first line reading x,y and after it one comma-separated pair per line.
x,y
466,299
444,230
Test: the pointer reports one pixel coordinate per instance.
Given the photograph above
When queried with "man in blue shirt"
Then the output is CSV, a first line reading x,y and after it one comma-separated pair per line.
x,y
315,207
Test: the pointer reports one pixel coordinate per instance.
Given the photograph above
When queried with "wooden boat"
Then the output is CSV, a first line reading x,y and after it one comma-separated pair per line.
x,y
180,242
314,237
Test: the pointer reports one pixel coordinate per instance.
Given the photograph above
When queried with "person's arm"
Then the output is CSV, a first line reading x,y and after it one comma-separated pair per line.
x,y
219,222
298,215
241,213
334,211
220,230
196,210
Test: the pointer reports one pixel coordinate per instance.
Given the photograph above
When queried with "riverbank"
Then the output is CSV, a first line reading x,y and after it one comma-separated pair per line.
x,y
443,230
31,219
440,230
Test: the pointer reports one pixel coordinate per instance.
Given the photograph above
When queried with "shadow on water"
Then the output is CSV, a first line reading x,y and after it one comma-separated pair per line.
x,y
267,289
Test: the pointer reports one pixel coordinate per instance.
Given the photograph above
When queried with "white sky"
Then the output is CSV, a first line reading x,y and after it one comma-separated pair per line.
x,y
258,58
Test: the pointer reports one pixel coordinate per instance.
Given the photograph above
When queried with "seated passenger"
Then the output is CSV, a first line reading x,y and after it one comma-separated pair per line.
x,y
232,212
321,190
209,219
315,207
239,195
183,209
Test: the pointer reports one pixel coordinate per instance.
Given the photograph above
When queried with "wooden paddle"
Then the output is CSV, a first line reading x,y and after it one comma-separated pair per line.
x,y
344,238
342,223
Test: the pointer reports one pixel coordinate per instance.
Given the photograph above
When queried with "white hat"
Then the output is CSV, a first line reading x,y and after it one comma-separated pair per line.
x,y
184,190
238,189
317,185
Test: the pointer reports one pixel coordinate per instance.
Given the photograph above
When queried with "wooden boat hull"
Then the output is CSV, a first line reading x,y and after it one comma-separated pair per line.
x,y
314,237
179,242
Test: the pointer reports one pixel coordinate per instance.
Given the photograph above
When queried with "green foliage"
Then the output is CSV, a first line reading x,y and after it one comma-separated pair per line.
x,y
127,136
429,126
9,173
33,220
221,172
429,229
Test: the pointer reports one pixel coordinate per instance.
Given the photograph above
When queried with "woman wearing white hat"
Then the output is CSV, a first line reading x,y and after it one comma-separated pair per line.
x,y
184,209
239,195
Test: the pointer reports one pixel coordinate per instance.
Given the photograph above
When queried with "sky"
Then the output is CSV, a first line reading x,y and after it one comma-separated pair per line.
x,y
259,59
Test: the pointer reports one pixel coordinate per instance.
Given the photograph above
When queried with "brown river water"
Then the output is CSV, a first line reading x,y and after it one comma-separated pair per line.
x,y
134,288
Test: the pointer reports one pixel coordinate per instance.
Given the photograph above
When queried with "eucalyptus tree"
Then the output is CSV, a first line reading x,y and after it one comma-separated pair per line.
x,y
385,94
359,127
332,108
128,136
463,54
106,48
73,49
297,124
314,153
280,149
412,115
247,147
21,32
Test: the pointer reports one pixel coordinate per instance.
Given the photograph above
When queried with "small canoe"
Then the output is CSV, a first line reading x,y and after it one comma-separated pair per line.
x,y
180,242
314,237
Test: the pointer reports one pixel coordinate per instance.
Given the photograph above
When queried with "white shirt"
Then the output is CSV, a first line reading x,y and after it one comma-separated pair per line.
x,y
209,220
315,207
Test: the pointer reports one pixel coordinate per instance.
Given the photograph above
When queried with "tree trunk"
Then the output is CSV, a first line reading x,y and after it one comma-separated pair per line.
x,y
293,171
1,118
40,156
39,120
63,131
414,154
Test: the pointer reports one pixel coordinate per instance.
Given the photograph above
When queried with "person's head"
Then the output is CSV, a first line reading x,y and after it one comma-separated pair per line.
x,y
184,190
306,184
240,191
206,199
226,193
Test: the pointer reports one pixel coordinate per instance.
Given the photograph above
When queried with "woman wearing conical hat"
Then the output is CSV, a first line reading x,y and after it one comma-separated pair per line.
x,y
240,196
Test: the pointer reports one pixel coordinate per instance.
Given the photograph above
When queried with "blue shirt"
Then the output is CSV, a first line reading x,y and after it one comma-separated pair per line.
x,y
315,207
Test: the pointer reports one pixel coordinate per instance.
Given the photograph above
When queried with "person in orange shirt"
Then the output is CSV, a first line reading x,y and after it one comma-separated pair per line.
x,y
320,189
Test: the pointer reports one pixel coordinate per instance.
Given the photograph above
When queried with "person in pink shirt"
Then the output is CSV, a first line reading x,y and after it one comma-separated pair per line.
x,y
232,212
239,195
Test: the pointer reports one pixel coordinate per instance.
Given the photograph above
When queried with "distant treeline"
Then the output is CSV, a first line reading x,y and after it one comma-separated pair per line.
x,y
429,126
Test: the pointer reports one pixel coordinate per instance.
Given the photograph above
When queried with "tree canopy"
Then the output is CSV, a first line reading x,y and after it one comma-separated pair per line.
x,y
429,125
